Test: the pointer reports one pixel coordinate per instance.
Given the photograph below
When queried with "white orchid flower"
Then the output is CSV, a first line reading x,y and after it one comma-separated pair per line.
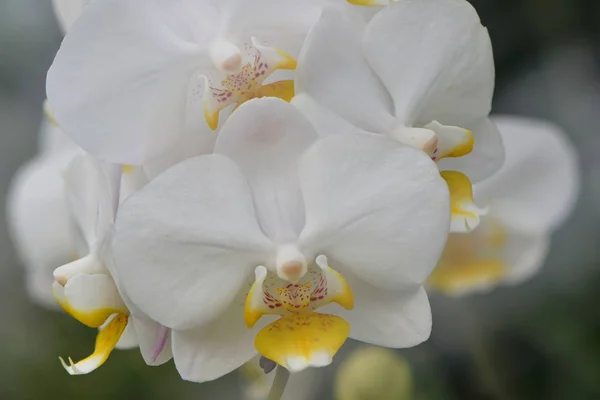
x,y
217,241
530,197
422,72
38,222
128,93
67,11
85,288
37,213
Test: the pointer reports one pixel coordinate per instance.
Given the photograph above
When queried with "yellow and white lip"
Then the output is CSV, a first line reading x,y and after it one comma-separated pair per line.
x,y
469,275
248,83
465,214
452,141
471,262
301,337
94,300
106,340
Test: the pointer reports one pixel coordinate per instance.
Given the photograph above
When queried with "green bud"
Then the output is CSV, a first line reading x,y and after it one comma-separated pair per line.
x,y
373,373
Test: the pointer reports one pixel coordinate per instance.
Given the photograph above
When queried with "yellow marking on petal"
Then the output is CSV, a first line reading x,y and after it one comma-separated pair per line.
x,y
253,309
287,62
295,298
211,116
465,213
106,341
452,141
370,3
496,235
127,169
49,113
248,83
451,277
344,296
92,318
282,89
332,288
461,149
298,341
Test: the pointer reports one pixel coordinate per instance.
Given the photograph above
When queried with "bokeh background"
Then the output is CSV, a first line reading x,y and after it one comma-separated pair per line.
x,y
540,340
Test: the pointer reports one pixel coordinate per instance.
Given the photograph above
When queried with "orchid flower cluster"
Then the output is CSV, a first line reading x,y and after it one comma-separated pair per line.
x,y
221,179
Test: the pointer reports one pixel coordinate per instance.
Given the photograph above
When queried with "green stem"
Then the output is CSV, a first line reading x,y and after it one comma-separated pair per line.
x,y
281,378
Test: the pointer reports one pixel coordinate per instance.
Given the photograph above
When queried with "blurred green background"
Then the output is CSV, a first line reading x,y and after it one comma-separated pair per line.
x,y
540,340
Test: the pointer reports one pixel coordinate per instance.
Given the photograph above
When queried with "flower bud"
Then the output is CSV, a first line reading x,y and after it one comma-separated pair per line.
x,y
373,373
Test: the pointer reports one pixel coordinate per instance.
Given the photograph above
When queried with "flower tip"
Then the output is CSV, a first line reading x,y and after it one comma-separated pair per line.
x,y
300,363
70,368
260,273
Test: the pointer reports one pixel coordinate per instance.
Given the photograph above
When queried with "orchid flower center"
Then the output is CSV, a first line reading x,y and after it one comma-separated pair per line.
x,y
290,263
301,337
244,82
444,141
436,140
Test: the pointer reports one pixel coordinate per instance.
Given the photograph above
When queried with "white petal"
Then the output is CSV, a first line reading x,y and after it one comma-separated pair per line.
x,y
39,289
281,23
265,137
52,138
192,144
88,293
524,255
37,215
334,72
128,339
487,156
536,188
435,59
188,241
67,11
121,93
154,340
208,353
325,121
92,194
386,318
379,208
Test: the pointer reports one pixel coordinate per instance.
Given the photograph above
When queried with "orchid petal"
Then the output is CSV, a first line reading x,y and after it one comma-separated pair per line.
x,y
333,71
377,207
134,109
193,236
90,299
106,340
265,138
487,155
128,339
465,213
325,121
154,340
392,318
38,220
524,254
208,353
67,11
537,187
435,59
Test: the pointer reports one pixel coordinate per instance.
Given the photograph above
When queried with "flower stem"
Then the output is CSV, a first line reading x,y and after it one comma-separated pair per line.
x,y
281,378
